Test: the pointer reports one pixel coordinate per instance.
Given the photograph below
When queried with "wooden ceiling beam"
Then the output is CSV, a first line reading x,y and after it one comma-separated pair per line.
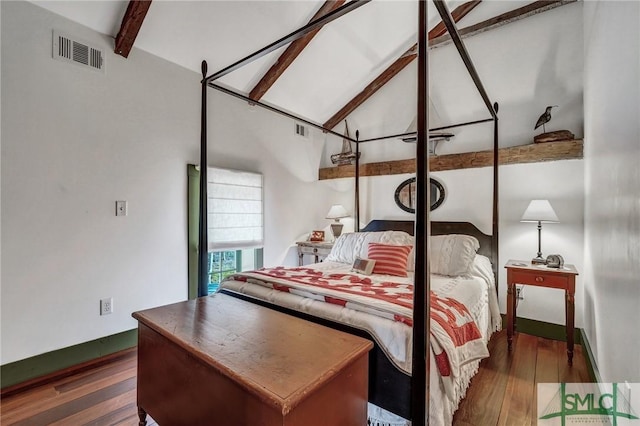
x,y
443,39
503,19
405,59
457,14
131,23
531,153
291,53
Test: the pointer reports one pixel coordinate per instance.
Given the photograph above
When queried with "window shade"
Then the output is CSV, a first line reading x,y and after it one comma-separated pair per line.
x,y
234,209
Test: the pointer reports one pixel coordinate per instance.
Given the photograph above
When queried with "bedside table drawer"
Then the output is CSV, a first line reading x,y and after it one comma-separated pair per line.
x,y
542,279
319,250
310,250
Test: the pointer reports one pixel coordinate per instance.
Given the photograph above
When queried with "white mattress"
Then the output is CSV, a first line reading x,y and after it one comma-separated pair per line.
x,y
475,290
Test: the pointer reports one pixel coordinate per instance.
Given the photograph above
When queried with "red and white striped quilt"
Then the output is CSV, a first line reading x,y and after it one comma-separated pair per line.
x,y
456,339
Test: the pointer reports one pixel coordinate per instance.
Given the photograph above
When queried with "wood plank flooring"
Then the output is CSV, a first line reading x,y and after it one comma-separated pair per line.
x,y
502,393
102,396
504,390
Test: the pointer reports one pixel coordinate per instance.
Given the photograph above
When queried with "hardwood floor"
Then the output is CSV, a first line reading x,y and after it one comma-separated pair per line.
x,y
504,390
105,395
502,393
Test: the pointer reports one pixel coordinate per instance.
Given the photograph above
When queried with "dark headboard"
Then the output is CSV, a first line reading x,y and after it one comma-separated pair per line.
x,y
439,228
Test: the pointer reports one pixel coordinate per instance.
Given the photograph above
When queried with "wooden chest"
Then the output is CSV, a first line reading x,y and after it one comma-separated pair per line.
x,y
223,361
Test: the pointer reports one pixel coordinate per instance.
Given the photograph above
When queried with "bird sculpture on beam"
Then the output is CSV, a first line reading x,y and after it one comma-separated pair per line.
x,y
545,118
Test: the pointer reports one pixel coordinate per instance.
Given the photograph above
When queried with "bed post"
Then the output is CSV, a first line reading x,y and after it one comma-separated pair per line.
x,y
203,263
356,226
493,110
420,356
496,163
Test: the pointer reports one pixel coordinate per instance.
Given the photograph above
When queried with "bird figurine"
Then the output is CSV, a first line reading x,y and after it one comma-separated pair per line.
x,y
545,118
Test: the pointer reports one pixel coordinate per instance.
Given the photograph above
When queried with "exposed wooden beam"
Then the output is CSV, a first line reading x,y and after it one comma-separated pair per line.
x,y
291,53
131,23
372,88
441,39
458,13
503,19
532,153
393,69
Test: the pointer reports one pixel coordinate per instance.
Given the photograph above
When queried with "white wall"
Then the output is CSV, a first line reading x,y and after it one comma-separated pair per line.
x,y
469,198
612,180
254,139
562,183
75,141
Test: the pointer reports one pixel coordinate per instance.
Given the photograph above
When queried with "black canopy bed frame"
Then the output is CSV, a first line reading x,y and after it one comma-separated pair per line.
x,y
386,381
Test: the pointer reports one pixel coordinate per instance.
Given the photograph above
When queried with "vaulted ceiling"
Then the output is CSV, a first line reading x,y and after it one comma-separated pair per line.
x,y
339,69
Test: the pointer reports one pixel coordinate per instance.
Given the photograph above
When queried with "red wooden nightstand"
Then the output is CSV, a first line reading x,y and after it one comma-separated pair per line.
x,y
523,272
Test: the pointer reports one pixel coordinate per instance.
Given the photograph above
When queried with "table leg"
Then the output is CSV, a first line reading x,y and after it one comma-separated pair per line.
x,y
570,313
300,259
511,312
142,415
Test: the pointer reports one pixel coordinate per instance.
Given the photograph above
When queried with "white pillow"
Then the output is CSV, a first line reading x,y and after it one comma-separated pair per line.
x,y
356,244
453,254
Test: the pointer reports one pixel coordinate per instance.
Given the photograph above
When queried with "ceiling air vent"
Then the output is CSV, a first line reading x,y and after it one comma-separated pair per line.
x,y
71,49
302,130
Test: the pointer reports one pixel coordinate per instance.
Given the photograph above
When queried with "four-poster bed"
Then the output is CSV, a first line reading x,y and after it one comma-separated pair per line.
x,y
292,290
404,394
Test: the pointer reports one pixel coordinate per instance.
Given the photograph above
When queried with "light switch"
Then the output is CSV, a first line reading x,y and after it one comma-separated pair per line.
x,y
121,208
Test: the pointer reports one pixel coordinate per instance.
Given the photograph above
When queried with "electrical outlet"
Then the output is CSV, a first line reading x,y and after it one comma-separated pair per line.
x,y
519,295
106,306
121,208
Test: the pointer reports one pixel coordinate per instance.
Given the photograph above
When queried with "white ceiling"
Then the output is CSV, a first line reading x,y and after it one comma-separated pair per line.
x,y
340,61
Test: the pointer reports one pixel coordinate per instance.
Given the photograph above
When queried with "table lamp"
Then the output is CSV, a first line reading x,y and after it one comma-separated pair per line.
x,y
337,212
539,211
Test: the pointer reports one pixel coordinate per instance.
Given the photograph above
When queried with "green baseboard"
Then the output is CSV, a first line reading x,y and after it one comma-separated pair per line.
x,y
50,362
40,365
591,361
543,329
557,332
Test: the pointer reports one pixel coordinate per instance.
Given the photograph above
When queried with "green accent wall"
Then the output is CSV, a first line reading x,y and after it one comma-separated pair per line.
x,y
543,329
193,213
50,362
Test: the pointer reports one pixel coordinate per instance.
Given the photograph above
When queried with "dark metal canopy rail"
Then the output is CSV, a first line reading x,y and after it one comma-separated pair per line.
x,y
420,356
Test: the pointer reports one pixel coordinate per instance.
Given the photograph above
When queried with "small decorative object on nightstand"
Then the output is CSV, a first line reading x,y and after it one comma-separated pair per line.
x,y
539,211
555,261
563,278
319,250
316,236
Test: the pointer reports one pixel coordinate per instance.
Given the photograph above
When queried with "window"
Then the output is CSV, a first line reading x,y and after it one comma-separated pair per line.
x,y
234,222
225,263
221,265
234,209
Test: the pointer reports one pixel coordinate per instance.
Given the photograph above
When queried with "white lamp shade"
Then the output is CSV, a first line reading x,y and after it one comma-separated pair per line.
x,y
337,211
539,211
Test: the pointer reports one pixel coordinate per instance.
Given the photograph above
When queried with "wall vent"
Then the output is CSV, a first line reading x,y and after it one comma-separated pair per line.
x,y
70,49
302,130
